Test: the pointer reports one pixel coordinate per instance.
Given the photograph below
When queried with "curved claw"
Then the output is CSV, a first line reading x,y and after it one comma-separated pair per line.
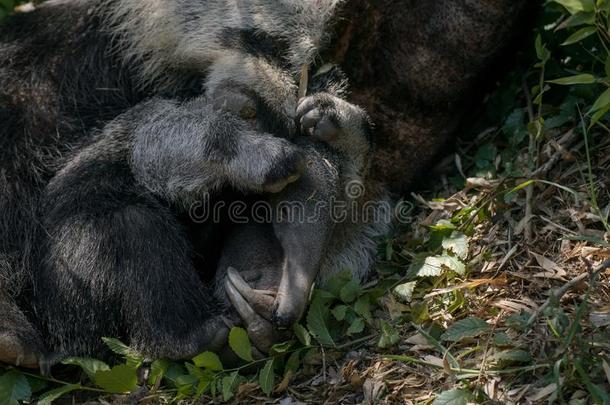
x,y
260,330
261,301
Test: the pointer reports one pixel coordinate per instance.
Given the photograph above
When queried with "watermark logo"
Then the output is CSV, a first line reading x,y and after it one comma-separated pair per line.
x,y
349,207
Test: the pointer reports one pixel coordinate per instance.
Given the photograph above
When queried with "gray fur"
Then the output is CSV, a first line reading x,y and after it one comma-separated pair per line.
x,y
173,35
109,165
181,151
176,35
170,36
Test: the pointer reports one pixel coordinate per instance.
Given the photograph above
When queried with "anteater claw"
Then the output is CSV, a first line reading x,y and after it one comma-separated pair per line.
x,y
260,330
261,301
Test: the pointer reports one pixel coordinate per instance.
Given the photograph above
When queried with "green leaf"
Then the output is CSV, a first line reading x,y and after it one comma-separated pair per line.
x,y
215,386
158,368
487,151
535,127
577,19
574,6
36,384
302,334
206,381
514,127
466,328
116,346
49,397
186,384
457,243
502,339
434,342
389,336
433,266
120,379
356,327
240,343
454,397
293,362
208,360
363,308
599,394
580,35
316,322
134,359
6,6
349,292
196,371
280,348
454,264
599,115
336,282
602,102
584,78
405,291
542,51
519,187
607,67
339,312
89,366
442,226
14,387
228,385
174,371
512,356
266,378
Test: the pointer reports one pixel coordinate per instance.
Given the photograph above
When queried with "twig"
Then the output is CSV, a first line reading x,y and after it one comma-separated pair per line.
x,y
409,359
323,363
510,254
566,287
486,352
560,153
77,386
303,81
528,100
529,191
356,342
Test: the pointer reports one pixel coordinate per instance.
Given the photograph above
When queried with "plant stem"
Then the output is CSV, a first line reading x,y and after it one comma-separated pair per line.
x,y
409,359
77,386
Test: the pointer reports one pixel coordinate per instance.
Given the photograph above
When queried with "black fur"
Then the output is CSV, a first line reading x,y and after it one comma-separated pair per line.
x,y
90,243
256,43
97,173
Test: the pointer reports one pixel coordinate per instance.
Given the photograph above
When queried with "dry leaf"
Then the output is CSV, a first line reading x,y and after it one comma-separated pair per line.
x,y
372,390
514,306
437,361
543,393
600,319
606,370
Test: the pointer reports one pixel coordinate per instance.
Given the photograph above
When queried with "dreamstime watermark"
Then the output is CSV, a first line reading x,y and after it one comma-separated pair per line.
x,y
351,207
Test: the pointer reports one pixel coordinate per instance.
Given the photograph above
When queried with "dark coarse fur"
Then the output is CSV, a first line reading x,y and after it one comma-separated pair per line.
x,y
419,68
99,160
97,157
59,86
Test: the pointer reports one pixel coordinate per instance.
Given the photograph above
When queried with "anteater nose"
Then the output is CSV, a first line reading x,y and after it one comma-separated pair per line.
x,y
282,321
